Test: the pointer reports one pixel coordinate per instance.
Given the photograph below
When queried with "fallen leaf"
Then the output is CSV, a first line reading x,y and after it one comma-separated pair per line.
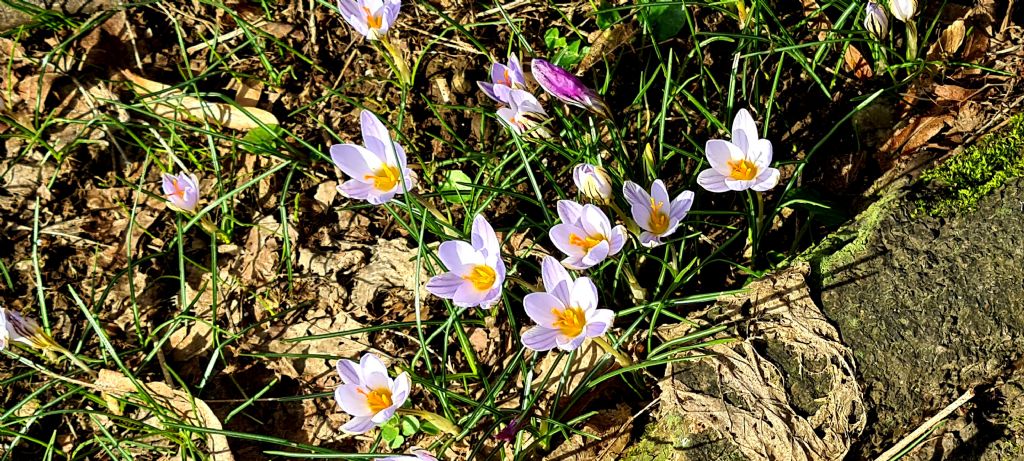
x,y
171,103
856,64
952,93
612,428
952,37
915,134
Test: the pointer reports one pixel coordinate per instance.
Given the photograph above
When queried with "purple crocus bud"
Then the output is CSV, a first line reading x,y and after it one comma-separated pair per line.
x,y
475,270
585,235
418,454
741,164
524,113
368,394
593,182
876,22
182,191
503,80
654,213
379,170
371,18
561,84
509,432
566,311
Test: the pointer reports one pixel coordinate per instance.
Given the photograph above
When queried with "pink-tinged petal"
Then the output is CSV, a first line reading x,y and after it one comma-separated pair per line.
x,y
400,390
681,205
444,285
355,161
712,181
584,293
720,152
484,239
566,343
594,221
617,240
358,425
599,321
369,364
356,189
569,211
560,235
744,130
767,180
761,154
376,137
349,372
538,307
351,401
596,254
540,339
659,193
649,240
456,253
635,194
553,273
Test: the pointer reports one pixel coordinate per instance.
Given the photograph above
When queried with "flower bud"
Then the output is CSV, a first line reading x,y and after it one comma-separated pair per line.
x,y
593,182
566,87
904,10
876,21
181,191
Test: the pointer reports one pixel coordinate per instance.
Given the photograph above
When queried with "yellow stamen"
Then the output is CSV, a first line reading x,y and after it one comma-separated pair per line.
x,y
658,221
385,178
569,321
742,170
377,399
587,242
373,20
482,277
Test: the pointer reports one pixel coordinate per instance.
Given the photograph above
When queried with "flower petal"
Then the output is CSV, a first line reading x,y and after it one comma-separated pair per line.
x,y
553,273
484,238
761,154
457,253
540,338
355,161
599,321
596,254
681,205
356,189
538,307
649,240
712,181
444,285
617,240
566,343
659,193
635,194
351,401
561,234
767,180
569,211
744,130
594,221
584,293
349,372
358,425
370,364
719,152
400,389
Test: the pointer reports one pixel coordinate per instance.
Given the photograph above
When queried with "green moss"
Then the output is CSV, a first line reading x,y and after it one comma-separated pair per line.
x,y
669,439
959,183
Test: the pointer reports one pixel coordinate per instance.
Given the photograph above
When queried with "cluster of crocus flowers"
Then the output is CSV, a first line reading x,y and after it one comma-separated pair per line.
x,y
566,311
378,168
585,235
504,79
744,163
181,191
519,109
368,393
475,269
565,87
658,216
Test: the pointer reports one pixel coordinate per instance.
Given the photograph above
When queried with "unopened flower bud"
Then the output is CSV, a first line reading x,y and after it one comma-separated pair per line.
x,y
593,182
876,21
904,10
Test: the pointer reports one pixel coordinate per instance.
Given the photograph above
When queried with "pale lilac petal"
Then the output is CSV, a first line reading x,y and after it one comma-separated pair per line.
x,y
761,154
498,73
371,364
569,211
358,425
538,307
445,285
351,401
738,185
349,372
719,152
352,13
466,295
594,221
599,321
508,118
635,194
491,298
484,238
617,240
540,338
560,236
518,79
376,137
457,253
376,197
584,293
524,101
594,257
681,205
767,180
488,89
649,240
744,130
400,390
642,214
570,344
712,181
356,189
391,10
355,161
553,273
659,193
382,416
576,263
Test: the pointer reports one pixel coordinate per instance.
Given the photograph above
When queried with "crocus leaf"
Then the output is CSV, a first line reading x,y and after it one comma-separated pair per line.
x,y
456,187
665,21
429,428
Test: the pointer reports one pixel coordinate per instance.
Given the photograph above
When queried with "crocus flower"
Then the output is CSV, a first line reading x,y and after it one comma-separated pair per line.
x,y
654,213
417,455
368,394
475,270
503,80
566,312
15,327
904,10
876,22
741,164
371,18
509,432
585,235
378,169
182,191
566,87
593,182
523,113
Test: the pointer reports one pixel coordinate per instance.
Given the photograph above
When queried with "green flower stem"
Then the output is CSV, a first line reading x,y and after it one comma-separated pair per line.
x,y
401,67
630,225
207,224
78,362
620,358
911,40
638,292
437,420
523,283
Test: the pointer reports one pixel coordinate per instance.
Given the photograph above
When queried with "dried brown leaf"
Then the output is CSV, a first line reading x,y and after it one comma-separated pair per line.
x,y
172,103
952,37
915,134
